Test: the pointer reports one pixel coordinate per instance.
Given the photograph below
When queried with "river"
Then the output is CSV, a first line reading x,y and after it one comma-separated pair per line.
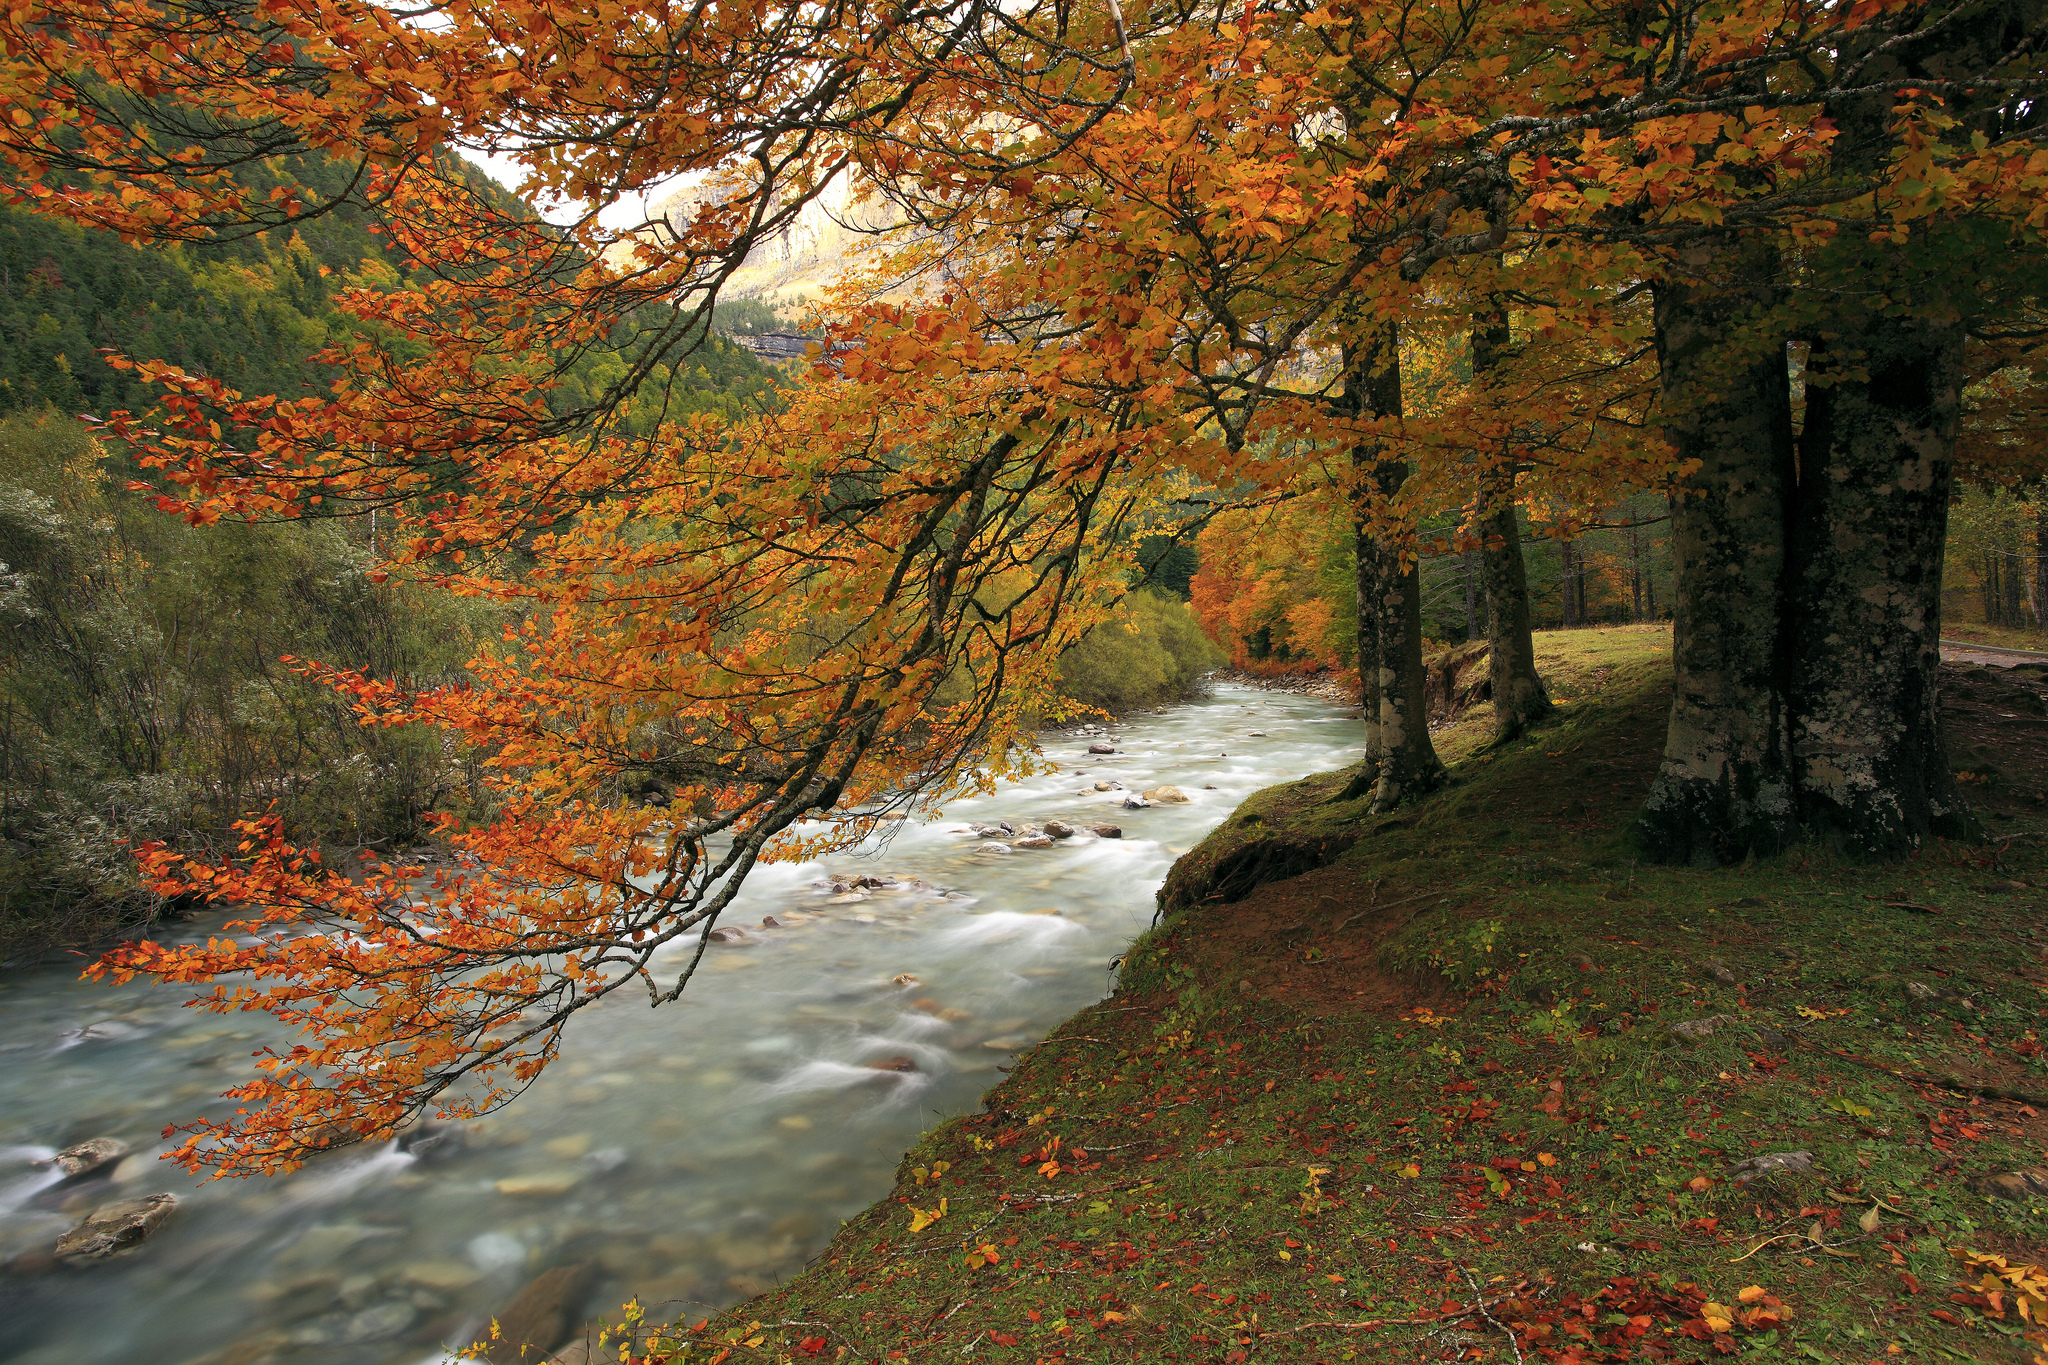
x,y
695,1154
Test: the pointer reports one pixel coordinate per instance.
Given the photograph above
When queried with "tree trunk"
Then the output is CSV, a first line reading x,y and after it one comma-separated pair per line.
x,y
1876,467
1725,787
1389,602
1519,700
1567,584
1470,568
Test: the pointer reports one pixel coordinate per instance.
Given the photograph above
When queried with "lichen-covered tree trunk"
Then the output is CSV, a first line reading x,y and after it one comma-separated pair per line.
x,y
1876,464
1408,763
1519,698
1401,762
1725,786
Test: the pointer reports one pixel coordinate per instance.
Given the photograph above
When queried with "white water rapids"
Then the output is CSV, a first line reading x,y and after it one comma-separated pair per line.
x,y
697,1153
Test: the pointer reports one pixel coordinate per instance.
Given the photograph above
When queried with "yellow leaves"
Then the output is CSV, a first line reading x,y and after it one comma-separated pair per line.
x,y
2004,1285
1717,1316
983,1255
920,1219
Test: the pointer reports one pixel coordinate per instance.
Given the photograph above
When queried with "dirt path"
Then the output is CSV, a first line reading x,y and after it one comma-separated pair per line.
x,y
1963,652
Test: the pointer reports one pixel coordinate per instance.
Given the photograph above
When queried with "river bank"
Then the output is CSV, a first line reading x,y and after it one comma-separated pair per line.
x,y
1481,1086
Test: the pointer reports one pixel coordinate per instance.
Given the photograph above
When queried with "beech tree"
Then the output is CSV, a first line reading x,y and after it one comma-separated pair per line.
x,y
1143,259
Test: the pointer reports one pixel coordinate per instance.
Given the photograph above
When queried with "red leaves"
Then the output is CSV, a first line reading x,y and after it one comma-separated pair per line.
x,y
812,1346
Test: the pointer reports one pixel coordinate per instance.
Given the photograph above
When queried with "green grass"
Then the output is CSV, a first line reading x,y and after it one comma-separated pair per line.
x,y
1427,1095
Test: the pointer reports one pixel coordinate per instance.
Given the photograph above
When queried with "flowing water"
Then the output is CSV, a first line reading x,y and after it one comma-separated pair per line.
x,y
696,1154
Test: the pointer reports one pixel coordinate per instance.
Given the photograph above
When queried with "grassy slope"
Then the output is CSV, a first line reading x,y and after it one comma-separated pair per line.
x,y
1317,1121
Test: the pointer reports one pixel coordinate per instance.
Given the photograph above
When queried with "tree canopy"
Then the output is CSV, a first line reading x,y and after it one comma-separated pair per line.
x,y
1145,265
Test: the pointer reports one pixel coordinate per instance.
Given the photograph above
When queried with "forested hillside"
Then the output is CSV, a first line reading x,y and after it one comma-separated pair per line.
x,y
145,691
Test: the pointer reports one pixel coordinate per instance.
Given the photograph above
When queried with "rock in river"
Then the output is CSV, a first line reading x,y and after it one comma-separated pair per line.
x,y
1166,796
1059,829
115,1228
1035,841
1108,831
992,848
81,1157
1102,748
539,1317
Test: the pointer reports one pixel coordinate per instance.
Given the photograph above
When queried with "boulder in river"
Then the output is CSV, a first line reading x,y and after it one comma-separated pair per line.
x,y
904,1064
1059,829
903,979
992,848
540,1316
90,1154
1035,841
1136,803
1109,786
114,1228
731,934
1102,748
431,1141
1108,831
1166,796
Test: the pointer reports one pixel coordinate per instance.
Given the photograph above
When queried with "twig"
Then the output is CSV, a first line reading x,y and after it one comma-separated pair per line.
x,y
1479,1296
1761,1245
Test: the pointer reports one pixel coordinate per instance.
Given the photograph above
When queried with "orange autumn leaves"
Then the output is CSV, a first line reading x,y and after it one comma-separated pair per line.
x,y
1134,248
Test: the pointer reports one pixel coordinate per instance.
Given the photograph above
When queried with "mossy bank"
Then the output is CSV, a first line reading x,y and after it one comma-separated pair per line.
x,y
1470,1082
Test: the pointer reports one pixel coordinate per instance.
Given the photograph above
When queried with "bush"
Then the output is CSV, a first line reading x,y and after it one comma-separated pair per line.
x,y
1151,653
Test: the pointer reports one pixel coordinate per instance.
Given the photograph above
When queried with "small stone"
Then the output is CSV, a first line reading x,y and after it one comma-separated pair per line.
x,y
1258,734
992,847
1166,796
541,1184
770,922
1035,841
730,934
115,1228
956,1016
1107,786
1209,787
904,979
440,1274
899,1064
134,1168
1059,829
381,1321
1102,748
1692,1030
1107,831
89,1155
1245,987
1006,1044
1744,1171
1718,970
568,1148
2028,1183
1136,803
796,1123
